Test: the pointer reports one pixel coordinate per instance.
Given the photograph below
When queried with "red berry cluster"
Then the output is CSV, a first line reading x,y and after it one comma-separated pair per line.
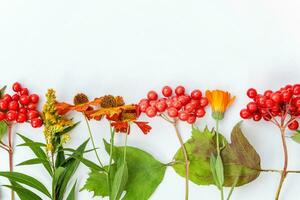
x,y
20,107
179,105
271,105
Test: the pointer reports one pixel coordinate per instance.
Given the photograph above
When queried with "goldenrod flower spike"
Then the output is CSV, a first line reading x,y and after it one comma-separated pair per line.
x,y
219,100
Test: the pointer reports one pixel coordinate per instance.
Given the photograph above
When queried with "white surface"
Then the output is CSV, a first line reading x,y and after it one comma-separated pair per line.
x,y
129,47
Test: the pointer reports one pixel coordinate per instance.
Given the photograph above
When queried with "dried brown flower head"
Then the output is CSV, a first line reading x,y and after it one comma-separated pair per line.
x,y
108,101
80,98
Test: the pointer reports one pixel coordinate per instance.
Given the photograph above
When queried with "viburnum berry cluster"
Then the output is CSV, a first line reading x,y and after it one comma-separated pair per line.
x,y
271,105
177,105
20,107
282,108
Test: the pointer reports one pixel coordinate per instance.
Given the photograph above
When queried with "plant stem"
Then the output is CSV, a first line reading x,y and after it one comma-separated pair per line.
x,y
93,142
125,145
284,171
186,159
112,135
10,154
219,153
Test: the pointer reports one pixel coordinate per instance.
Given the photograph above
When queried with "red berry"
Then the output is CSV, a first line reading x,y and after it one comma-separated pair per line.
x,y
2,116
297,102
276,97
296,89
196,103
191,119
261,100
16,87
267,117
151,111
15,97
152,95
11,115
189,107
196,94
161,106
23,110
7,98
184,99
3,105
152,103
200,112
36,122
286,96
251,93
177,104
203,102
294,125
31,106
13,105
21,118
24,91
34,98
144,100
257,117
180,90
24,99
268,93
269,103
167,91
245,114
183,115
172,112
252,107
143,106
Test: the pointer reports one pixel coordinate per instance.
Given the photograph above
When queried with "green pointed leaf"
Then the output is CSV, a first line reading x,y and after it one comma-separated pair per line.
x,y
3,129
71,195
68,129
88,163
27,180
60,158
71,164
219,170
296,137
33,161
38,151
145,173
97,183
23,193
119,182
240,160
2,91
57,174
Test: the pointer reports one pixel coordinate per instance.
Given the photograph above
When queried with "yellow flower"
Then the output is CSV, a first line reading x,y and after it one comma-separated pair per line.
x,y
219,100
53,122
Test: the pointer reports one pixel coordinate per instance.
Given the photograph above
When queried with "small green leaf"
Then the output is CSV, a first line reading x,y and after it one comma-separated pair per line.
x,y
97,183
60,158
68,129
119,182
56,176
71,195
23,193
33,161
38,151
219,170
3,129
213,171
88,163
71,164
27,180
296,137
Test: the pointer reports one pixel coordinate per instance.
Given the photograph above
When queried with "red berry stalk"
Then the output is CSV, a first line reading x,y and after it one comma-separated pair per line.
x,y
18,108
175,108
281,108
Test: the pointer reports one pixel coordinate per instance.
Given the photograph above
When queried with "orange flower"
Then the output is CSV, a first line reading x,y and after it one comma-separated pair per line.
x,y
219,100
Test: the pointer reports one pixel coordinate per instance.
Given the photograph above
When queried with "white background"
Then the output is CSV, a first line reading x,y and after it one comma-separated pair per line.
x,y
127,47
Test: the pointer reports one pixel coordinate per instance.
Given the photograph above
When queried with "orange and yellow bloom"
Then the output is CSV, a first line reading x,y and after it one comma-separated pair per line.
x,y
219,100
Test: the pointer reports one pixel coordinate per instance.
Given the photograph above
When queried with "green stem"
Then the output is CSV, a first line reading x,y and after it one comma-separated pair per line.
x,y
219,153
112,135
53,169
93,141
125,146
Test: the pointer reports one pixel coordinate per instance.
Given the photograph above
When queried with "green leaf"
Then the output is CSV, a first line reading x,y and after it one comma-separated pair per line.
x,y
23,193
71,195
33,161
219,170
3,129
71,164
37,144
38,151
213,171
68,129
97,183
240,160
145,173
119,182
27,180
57,174
296,137
2,91
60,158
88,163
